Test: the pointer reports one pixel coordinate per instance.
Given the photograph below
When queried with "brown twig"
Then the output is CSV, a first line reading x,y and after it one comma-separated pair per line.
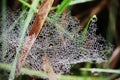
x,y
64,17
33,33
95,10
15,4
48,69
56,2
114,62
115,58
85,15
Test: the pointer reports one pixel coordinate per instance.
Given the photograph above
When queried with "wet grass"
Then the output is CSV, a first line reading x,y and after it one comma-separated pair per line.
x,y
24,27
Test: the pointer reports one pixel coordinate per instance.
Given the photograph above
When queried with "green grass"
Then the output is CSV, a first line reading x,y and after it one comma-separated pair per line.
x,y
4,14
62,6
84,33
23,31
74,2
16,21
24,27
101,70
23,71
28,5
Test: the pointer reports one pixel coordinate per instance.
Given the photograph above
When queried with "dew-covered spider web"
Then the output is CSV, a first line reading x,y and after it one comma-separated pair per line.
x,y
54,41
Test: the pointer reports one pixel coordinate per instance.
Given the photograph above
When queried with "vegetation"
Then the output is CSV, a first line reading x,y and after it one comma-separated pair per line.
x,y
39,39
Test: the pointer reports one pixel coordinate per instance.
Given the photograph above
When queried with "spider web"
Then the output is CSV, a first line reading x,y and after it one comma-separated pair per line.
x,y
55,43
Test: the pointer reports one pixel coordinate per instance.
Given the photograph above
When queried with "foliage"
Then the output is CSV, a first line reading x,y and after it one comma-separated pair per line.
x,y
69,40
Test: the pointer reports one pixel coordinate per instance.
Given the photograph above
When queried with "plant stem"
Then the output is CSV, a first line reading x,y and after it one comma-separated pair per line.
x,y
33,33
42,74
4,45
28,5
101,70
25,26
74,2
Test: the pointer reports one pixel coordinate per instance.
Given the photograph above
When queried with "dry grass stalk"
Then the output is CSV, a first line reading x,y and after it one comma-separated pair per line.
x,y
114,60
94,10
40,17
63,20
33,33
48,69
64,17
15,4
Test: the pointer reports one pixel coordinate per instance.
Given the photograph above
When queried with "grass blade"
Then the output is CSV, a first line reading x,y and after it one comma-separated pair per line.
x,y
84,33
78,1
28,5
33,33
4,13
62,6
27,21
101,70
